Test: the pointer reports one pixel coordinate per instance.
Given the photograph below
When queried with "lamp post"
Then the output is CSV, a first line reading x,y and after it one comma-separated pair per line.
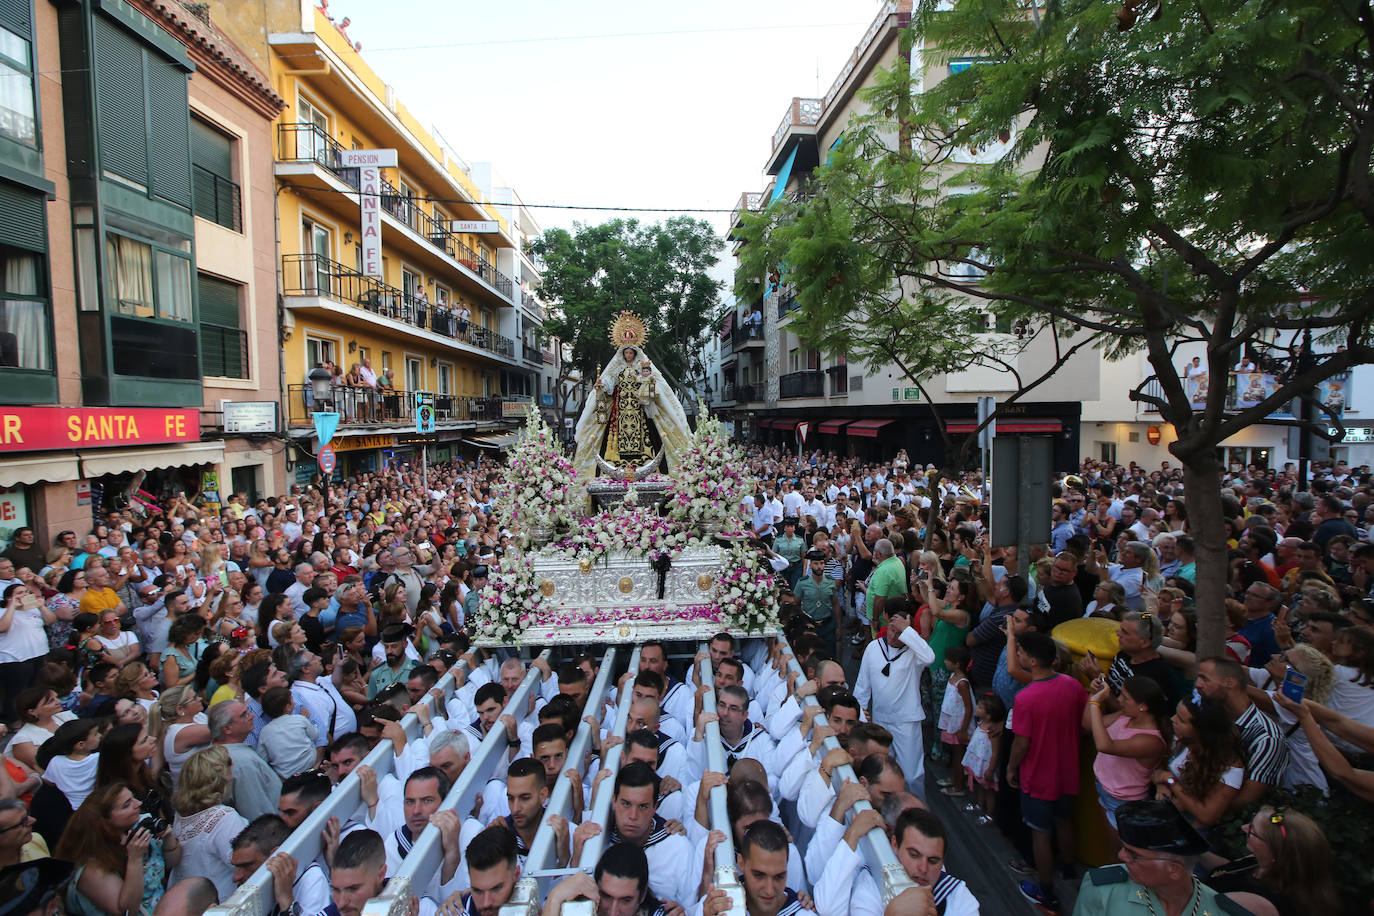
x,y
322,391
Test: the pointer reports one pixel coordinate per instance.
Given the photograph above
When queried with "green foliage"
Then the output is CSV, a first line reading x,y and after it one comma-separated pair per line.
x,y
657,271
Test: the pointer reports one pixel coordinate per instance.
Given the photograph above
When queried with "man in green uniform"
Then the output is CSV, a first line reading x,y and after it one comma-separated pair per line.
x,y
474,595
1159,851
888,581
790,547
820,599
397,667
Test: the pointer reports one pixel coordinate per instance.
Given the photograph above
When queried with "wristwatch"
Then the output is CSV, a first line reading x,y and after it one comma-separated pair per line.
x,y
293,910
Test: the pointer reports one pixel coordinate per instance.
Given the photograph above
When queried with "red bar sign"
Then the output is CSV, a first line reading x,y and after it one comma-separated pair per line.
x,y
31,429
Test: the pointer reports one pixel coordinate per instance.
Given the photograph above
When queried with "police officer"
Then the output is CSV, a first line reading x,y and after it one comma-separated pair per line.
x,y
1159,851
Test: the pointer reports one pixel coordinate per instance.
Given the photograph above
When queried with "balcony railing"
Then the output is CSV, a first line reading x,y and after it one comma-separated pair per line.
x,y
385,407
903,10
746,334
746,393
316,275
808,383
223,351
801,113
216,198
532,354
787,304
308,143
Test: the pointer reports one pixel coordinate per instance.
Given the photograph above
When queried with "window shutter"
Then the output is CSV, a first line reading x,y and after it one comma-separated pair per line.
x,y
120,102
219,301
169,142
15,16
24,224
211,150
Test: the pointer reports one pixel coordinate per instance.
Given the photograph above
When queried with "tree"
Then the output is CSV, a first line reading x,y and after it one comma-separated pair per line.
x,y
657,271
1151,175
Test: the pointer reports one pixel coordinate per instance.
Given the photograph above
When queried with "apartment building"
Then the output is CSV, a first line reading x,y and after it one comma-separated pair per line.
x,y
438,315
136,229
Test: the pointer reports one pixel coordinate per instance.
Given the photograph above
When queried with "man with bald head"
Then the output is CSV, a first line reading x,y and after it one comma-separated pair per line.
x,y
672,755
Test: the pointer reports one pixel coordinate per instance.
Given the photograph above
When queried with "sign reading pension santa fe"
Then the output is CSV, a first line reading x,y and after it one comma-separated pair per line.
x,y
29,429
369,163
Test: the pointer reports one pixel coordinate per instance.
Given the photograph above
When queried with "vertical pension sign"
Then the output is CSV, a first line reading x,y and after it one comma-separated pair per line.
x,y
369,163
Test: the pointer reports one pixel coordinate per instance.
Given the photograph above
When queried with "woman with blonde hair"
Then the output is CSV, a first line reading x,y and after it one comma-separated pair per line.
x,y
1288,870
183,729
205,825
212,563
121,866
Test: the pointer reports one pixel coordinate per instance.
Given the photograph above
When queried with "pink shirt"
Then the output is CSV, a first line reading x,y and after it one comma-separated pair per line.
x,y
1126,778
1048,712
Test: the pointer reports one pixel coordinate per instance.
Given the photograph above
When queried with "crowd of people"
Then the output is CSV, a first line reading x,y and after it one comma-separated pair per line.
x,y
183,688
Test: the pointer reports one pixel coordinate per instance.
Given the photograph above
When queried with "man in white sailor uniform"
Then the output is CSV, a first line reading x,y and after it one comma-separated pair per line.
x,y
635,820
672,756
493,871
677,695
889,687
646,747
619,885
762,863
846,888
527,794
738,735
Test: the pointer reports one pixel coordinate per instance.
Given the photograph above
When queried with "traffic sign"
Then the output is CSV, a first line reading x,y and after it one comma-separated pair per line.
x,y
424,412
328,460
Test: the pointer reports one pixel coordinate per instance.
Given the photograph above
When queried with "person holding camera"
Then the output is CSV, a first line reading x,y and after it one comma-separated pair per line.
x,y
123,855
23,642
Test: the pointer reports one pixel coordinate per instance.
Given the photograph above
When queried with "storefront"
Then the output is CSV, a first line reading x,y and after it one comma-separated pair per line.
x,y
63,467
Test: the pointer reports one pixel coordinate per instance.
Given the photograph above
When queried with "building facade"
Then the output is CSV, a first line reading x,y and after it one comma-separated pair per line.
x,y
438,316
139,276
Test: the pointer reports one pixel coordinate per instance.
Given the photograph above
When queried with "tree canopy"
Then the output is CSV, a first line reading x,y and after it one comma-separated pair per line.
x,y
657,271
1149,174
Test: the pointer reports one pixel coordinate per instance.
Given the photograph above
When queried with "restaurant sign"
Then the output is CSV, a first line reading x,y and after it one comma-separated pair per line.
x,y
32,429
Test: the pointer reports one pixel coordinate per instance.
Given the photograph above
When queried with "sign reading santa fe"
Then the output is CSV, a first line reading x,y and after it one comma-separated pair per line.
x,y
31,429
369,163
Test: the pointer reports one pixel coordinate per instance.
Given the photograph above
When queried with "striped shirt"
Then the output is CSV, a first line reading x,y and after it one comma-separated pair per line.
x,y
1266,755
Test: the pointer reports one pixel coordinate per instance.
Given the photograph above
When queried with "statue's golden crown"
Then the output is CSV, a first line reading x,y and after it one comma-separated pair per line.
x,y
628,330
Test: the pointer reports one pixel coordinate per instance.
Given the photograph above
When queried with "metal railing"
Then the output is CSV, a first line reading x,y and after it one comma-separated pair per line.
x,y
875,847
316,275
787,303
255,894
216,198
223,351
390,406
808,383
532,354
751,392
308,143
426,857
746,334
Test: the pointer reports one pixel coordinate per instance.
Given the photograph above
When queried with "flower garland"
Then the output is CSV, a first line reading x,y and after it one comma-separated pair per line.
x,y
748,595
708,485
509,601
627,528
539,489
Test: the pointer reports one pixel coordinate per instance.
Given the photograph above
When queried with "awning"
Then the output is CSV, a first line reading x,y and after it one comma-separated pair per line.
x,y
495,441
832,426
867,429
133,460
787,425
729,325
1020,426
52,468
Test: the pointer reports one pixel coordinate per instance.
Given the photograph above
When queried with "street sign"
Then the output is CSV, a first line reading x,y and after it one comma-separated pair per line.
x,y
327,460
802,430
986,408
1021,472
424,412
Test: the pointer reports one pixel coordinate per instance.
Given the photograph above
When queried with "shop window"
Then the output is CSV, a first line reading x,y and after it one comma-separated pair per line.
x,y
25,335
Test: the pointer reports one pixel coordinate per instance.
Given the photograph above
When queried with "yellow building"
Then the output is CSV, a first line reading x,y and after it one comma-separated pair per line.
x,y
444,317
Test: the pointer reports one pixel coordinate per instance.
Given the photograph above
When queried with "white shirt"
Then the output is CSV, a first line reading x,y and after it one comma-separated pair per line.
x,y
895,696
763,520
26,638
847,887
791,504
76,778
206,839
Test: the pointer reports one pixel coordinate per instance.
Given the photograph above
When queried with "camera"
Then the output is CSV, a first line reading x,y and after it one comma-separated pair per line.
x,y
152,819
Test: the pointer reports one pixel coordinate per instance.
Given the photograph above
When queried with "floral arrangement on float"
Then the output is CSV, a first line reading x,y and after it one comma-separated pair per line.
x,y
540,492
748,592
628,528
705,492
509,601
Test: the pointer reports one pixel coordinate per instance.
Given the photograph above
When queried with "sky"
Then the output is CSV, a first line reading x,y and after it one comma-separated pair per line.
x,y
610,102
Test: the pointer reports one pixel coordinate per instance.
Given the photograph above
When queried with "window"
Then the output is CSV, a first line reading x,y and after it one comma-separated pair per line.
x,y
794,360
223,341
1107,452
214,193
24,337
16,89
415,374
315,269
318,351
312,142
144,138
445,378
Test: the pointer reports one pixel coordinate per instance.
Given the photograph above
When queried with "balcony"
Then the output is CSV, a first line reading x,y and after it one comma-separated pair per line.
x,y
808,383
216,198
317,276
860,59
745,337
385,408
749,201
787,303
795,138
746,393
306,143
532,354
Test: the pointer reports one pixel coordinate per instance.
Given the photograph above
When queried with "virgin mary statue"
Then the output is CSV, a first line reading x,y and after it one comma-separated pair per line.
x,y
631,414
